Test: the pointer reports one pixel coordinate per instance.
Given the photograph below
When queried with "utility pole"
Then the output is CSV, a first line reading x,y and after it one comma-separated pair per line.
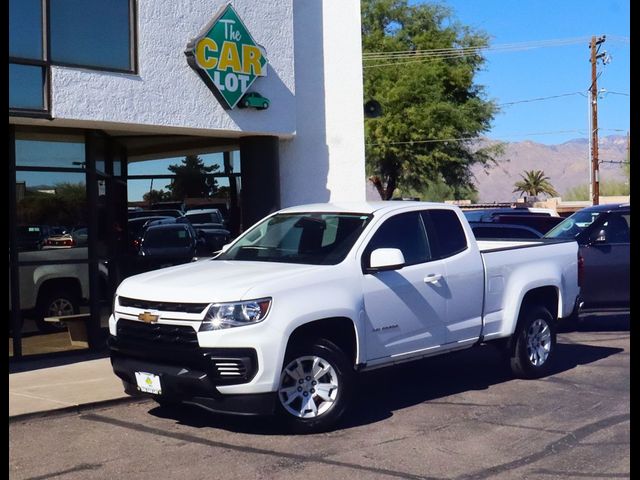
x,y
595,179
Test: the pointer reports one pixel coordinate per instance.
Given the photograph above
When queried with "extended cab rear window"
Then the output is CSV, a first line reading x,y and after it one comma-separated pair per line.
x,y
445,232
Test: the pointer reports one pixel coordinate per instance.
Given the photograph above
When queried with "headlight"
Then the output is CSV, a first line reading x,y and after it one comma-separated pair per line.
x,y
235,314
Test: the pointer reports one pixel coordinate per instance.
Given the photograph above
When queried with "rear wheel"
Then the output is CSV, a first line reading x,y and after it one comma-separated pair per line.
x,y
315,386
534,343
55,303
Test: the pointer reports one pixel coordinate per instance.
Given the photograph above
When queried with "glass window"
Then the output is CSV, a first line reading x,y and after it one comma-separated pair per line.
x,y
210,163
404,232
300,238
26,87
91,32
25,29
49,150
51,214
445,228
145,192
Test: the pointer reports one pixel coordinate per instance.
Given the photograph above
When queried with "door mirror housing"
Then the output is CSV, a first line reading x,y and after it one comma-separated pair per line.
x,y
386,259
225,247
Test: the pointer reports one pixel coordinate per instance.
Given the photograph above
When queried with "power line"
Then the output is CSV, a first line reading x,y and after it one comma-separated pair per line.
x,y
616,93
617,162
413,56
471,138
458,50
541,98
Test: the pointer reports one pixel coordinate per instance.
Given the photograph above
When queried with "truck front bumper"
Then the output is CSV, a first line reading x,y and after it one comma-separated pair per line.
x,y
194,376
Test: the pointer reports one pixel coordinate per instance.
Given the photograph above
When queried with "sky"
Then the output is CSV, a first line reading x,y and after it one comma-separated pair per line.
x,y
514,76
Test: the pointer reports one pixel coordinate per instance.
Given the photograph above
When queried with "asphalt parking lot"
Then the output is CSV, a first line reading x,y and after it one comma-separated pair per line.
x,y
459,416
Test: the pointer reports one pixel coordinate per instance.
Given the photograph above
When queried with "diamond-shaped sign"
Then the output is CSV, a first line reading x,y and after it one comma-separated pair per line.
x,y
226,57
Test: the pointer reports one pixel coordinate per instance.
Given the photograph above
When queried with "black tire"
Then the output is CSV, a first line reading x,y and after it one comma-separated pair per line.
x,y
265,105
331,356
534,343
55,302
246,104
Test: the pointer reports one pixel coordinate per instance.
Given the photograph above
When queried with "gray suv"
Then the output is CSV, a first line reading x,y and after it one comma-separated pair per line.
x,y
604,237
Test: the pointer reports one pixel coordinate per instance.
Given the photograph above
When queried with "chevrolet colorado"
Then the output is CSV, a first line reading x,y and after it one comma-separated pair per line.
x,y
283,318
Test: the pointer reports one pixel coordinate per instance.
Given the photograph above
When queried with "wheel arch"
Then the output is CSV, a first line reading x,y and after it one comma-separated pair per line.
x,y
339,330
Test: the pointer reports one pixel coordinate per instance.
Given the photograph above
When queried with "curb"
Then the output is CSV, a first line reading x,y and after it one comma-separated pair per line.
x,y
75,409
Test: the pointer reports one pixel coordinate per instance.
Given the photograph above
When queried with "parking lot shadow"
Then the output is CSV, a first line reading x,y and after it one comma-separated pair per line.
x,y
387,390
600,322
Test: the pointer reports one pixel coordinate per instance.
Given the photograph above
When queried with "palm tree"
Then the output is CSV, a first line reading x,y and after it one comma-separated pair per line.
x,y
533,183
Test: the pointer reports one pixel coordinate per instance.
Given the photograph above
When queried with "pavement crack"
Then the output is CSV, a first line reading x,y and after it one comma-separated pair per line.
x,y
252,450
78,468
569,441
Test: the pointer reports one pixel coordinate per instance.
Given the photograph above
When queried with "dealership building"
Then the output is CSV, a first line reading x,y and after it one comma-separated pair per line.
x,y
118,105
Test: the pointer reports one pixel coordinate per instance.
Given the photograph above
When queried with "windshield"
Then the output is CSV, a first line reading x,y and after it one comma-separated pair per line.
x,y
307,238
573,225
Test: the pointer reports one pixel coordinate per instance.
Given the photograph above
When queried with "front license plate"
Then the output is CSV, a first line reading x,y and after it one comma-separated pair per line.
x,y
149,383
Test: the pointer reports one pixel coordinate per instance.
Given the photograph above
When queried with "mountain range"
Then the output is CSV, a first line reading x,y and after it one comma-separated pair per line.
x,y
566,164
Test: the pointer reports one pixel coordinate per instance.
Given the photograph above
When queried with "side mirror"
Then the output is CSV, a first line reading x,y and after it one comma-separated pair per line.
x,y
386,259
225,247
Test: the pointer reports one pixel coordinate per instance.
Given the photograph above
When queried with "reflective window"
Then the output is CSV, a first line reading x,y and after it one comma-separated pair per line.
x,y
49,150
26,87
25,29
91,33
446,230
52,215
404,232
212,162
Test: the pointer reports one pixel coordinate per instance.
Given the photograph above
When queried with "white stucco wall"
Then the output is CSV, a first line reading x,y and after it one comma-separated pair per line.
x,y
314,82
325,161
166,93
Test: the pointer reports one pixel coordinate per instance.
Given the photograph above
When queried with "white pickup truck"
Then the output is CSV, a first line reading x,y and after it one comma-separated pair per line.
x,y
283,318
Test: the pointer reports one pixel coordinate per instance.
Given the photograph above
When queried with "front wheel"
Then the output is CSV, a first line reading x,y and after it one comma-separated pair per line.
x,y
534,343
315,385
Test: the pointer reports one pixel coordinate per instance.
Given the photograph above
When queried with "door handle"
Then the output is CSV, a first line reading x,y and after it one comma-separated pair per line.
x,y
432,278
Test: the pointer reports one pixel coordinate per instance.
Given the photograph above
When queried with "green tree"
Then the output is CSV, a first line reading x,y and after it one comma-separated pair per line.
x,y
428,103
192,179
155,196
535,182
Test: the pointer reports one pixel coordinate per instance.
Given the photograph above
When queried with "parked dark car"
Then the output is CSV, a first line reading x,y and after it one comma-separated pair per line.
x,y
603,234
488,214
210,227
493,231
539,219
166,244
155,213
136,228
32,237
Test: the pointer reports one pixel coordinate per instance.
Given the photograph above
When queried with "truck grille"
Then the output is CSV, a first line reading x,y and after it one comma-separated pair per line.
x,y
162,306
157,335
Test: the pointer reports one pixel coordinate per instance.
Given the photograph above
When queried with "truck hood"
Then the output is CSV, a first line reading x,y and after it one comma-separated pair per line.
x,y
209,281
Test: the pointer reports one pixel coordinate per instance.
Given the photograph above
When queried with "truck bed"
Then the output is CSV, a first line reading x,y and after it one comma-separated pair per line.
x,y
497,245
513,266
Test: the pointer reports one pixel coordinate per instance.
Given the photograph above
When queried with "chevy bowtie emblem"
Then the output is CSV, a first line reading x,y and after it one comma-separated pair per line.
x,y
148,317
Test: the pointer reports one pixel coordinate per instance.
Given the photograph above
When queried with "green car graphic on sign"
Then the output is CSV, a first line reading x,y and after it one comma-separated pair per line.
x,y
227,58
255,100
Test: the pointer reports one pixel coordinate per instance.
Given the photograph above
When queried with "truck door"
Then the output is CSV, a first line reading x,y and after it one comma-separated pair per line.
x,y
405,308
464,274
606,262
